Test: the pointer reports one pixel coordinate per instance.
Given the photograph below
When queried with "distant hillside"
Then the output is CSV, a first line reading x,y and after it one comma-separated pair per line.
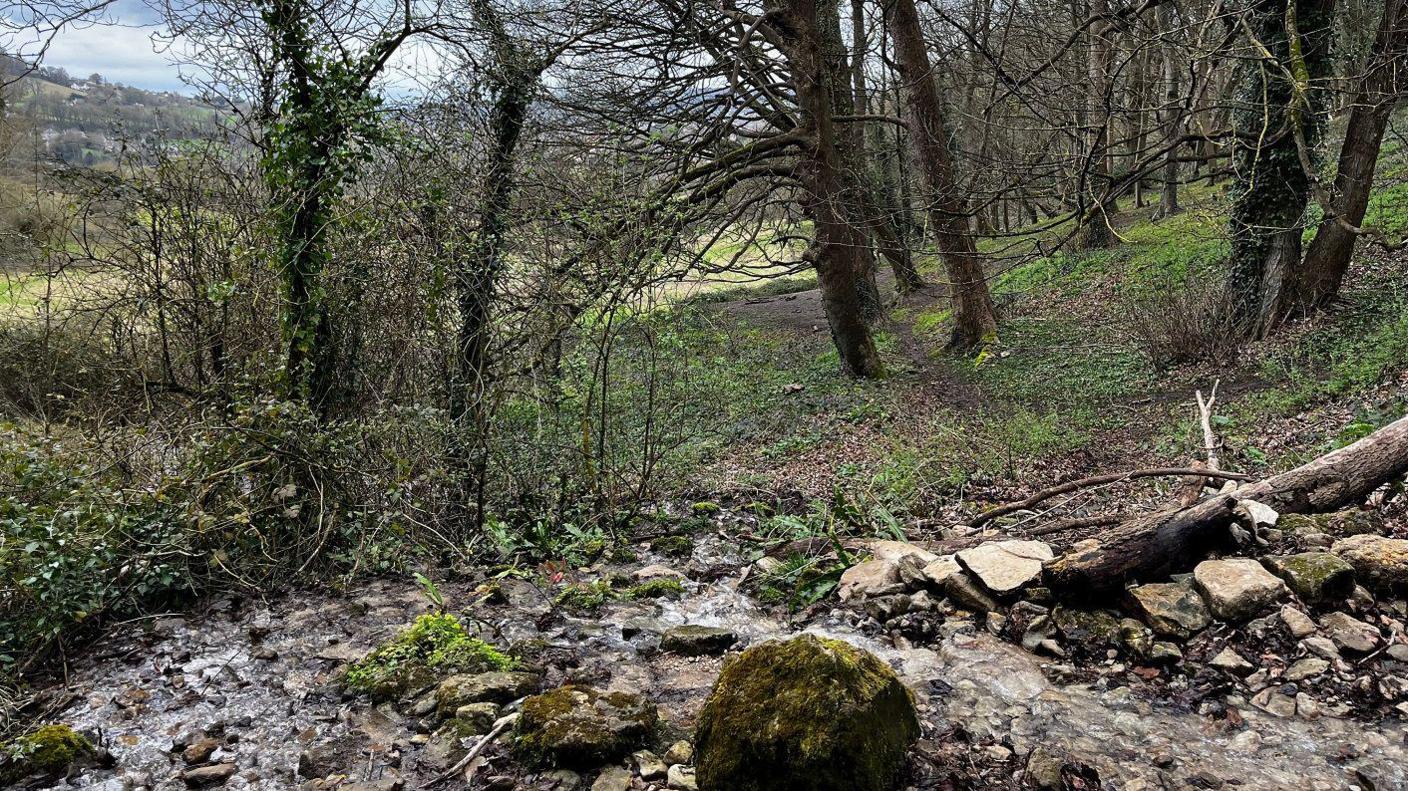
x,y
86,120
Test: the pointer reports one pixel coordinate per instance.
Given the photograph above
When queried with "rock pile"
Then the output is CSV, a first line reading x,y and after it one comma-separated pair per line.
x,y
1300,633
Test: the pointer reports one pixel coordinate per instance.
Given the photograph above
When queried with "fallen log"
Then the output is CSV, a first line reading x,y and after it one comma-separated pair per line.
x,y
1153,546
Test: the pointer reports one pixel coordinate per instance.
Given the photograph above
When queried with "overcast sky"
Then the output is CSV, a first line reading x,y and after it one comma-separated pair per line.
x,y
123,51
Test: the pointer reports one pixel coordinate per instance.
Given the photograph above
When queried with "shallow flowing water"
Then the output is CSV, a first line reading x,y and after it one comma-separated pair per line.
x,y
259,675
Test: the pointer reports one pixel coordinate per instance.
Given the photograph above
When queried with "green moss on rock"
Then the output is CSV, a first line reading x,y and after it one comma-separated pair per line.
x,y
50,750
807,713
434,646
581,727
586,597
674,546
658,588
1314,576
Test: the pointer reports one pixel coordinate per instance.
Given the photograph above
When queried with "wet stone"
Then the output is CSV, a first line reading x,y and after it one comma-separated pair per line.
x,y
694,640
1171,609
1236,588
1350,633
214,774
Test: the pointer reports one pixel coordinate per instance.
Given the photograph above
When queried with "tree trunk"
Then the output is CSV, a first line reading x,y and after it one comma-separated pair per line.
x,y
1096,233
840,252
1272,187
1152,547
974,317
865,145
1329,254
1172,118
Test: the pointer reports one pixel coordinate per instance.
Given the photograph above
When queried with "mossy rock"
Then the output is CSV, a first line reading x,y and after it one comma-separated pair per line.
x,y
1094,628
586,597
50,750
658,588
673,546
577,726
1353,522
434,646
1315,577
809,714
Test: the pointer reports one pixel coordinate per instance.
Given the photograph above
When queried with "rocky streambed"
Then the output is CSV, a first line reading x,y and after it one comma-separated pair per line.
x,y
246,694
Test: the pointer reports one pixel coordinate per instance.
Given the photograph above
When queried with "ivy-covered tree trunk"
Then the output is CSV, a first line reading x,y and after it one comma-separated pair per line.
x,y
321,126
974,316
840,252
1278,117
514,81
1328,258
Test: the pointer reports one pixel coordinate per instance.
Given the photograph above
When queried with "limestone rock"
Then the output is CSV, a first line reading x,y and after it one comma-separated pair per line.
x,y
649,765
208,775
496,687
938,572
962,589
1232,662
1314,576
694,640
807,713
1321,646
681,778
1350,633
1306,668
1236,588
1380,564
895,551
1171,609
871,578
657,571
1297,623
199,751
613,778
579,726
1005,567
681,752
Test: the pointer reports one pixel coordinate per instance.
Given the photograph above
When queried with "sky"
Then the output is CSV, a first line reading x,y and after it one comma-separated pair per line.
x,y
122,51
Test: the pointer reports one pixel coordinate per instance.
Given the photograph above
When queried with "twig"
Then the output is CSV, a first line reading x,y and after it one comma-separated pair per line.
x,y
1098,480
474,751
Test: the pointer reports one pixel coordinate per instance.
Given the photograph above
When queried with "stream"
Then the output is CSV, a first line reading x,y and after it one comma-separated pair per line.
x,y
258,675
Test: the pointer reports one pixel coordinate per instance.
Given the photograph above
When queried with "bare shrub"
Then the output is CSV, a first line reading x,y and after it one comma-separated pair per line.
x,y
1184,323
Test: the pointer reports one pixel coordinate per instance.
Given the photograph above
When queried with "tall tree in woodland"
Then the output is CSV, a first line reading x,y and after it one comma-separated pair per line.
x,y
888,212
1277,120
322,107
1170,114
974,316
1377,94
1096,232
840,252
513,73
